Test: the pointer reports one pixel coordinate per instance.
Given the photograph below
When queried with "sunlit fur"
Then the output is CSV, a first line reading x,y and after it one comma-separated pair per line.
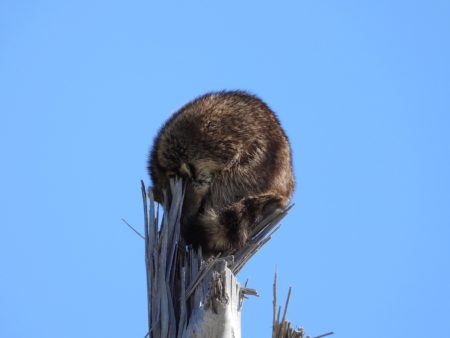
x,y
236,161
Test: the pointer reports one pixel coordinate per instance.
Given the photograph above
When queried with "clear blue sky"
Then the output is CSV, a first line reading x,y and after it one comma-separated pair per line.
x,y
362,89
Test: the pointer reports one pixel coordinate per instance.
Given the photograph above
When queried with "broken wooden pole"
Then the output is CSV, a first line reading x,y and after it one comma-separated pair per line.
x,y
188,296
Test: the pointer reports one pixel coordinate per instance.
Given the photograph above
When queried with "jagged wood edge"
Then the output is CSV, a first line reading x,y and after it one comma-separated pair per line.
x,y
160,249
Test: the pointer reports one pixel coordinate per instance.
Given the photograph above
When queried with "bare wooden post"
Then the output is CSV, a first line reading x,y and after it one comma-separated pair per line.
x,y
220,315
188,296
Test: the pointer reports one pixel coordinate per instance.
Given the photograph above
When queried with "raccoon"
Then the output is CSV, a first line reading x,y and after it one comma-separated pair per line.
x,y
236,162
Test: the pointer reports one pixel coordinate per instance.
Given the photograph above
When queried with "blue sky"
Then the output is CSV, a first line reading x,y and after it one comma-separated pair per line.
x,y
362,89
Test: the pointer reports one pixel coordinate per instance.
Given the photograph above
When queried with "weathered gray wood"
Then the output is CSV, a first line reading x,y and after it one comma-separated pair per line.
x,y
220,314
188,296
282,328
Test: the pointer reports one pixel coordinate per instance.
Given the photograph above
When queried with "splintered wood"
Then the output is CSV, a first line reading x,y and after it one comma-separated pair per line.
x,y
283,329
188,296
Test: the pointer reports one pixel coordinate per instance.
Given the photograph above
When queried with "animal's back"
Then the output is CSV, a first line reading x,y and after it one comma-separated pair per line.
x,y
236,160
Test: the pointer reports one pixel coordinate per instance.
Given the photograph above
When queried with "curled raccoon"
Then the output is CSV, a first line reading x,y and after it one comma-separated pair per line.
x,y
235,159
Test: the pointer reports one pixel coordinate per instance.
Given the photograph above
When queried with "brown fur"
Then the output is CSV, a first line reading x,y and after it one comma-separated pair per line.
x,y
236,161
